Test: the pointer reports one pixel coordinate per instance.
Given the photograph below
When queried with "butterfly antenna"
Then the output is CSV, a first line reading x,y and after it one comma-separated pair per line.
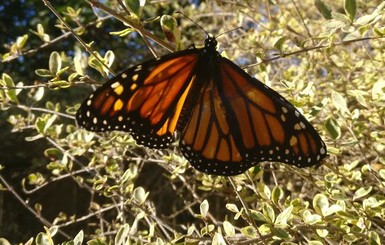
x,y
235,29
179,12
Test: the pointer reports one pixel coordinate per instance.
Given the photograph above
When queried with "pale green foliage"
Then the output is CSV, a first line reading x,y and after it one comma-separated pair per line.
x,y
314,53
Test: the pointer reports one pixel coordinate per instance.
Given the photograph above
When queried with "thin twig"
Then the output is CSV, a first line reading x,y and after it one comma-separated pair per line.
x,y
75,35
29,208
283,55
248,214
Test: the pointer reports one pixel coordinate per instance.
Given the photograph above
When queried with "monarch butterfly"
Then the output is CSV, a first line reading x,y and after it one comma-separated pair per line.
x,y
228,121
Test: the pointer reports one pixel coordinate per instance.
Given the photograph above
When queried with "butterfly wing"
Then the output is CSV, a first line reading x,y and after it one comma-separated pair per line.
x,y
238,121
145,100
266,126
207,140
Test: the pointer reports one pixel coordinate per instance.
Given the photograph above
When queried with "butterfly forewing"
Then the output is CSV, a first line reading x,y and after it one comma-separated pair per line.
x,y
145,100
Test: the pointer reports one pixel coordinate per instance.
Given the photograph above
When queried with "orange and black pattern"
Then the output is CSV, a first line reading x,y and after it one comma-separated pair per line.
x,y
228,120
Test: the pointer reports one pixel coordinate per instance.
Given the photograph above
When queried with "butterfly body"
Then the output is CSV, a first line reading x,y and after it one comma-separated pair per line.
x,y
228,121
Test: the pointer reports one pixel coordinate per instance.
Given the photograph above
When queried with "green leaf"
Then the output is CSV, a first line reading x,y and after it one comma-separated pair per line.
x,y
123,32
78,240
140,195
268,212
126,176
136,6
44,73
281,233
332,178
310,218
321,233
352,165
4,241
43,239
204,208
53,230
339,102
323,9
72,76
350,8
320,204
349,217
40,33
283,217
170,28
317,108
229,229
38,93
33,138
360,96
207,229
21,41
382,173
333,209
9,84
350,237
122,234
263,190
363,191
332,128
249,231
218,239
190,230
333,24
40,28
232,207
342,18
97,64
55,62
40,124
374,238
371,18
59,84
379,31
78,65
258,216
279,43
277,194
61,71
378,90
366,19
97,241
265,229
109,58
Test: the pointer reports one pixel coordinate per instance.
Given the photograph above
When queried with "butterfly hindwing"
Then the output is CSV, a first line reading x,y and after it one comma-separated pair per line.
x,y
207,141
266,126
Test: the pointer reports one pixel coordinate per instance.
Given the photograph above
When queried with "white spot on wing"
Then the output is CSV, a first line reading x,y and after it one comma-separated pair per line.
x,y
115,85
322,150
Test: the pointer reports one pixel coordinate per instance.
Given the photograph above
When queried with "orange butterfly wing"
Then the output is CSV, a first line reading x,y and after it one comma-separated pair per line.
x,y
267,126
207,140
238,121
145,100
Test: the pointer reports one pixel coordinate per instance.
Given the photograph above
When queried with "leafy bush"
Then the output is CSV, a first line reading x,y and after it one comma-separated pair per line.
x,y
64,184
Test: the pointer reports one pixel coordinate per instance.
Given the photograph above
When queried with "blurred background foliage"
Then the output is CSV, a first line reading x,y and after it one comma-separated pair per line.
x,y
63,184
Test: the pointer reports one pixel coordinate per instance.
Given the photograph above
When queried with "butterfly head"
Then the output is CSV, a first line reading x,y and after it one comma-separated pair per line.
x,y
210,44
